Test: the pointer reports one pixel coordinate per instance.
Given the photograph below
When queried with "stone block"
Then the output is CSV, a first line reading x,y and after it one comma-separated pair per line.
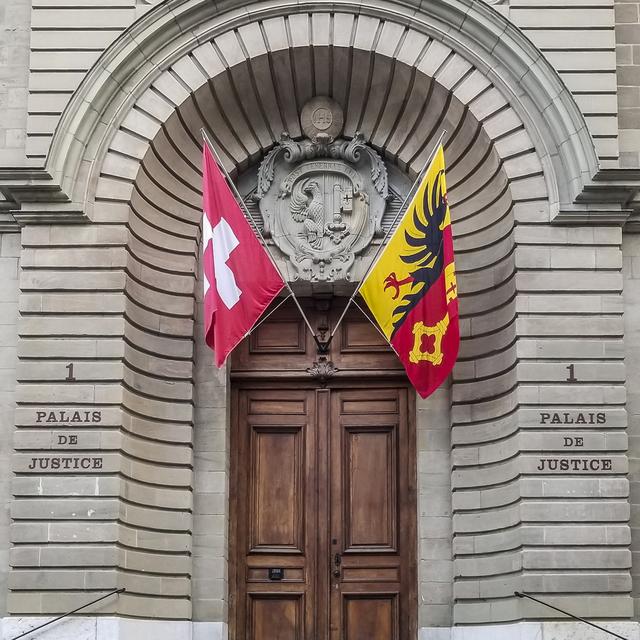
x,y
436,593
10,244
209,609
576,559
71,509
435,527
436,615
626,12
76,556
487,566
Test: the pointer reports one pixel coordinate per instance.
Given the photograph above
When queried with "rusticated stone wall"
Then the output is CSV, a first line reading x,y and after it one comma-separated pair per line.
x,y
579,39
435,526
566,523
211,483
103,458
9,258
631,253
15,16
527,513
628,74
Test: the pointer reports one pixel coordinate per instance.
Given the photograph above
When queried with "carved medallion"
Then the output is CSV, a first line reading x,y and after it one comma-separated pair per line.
x,y
321,119
322,199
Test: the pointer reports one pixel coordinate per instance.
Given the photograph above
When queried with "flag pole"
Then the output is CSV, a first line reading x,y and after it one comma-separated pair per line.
x,y
321,346
263,319
389,231
375,326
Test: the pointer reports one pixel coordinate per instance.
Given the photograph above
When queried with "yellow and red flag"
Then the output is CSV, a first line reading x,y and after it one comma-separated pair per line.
x,y
412,291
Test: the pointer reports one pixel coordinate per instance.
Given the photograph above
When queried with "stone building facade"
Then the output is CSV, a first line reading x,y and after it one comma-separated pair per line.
x,y
121,466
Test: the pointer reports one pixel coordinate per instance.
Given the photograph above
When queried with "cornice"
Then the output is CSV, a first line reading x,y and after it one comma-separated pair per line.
x,y
596,217
619,185
52,214
32,197
19,185
619,174
8,224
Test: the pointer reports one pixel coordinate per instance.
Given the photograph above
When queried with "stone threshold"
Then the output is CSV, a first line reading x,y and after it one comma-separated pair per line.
x,y
534,631
113,628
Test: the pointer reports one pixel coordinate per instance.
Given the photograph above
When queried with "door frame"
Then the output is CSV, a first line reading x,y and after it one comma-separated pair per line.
x,y
410,582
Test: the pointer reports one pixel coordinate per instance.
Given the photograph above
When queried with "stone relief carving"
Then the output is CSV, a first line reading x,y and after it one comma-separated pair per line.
x,y
322,198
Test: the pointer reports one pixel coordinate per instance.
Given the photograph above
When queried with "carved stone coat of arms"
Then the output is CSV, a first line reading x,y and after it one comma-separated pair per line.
x,y
322,198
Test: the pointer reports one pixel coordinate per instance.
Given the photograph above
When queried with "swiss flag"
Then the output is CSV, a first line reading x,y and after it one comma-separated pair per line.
x,y
240,281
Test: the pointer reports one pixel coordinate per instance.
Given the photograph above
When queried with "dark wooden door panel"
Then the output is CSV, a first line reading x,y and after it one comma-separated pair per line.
x,y
370,616
359,346
323,490
276,617
275,477
283,347
369,489
277,482
279,344
373,585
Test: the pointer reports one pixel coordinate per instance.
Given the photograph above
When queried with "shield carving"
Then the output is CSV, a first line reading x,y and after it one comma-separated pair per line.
x,y
322,204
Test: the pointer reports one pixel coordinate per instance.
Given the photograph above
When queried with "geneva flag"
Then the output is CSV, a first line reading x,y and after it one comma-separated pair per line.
x,y
239,278
411,290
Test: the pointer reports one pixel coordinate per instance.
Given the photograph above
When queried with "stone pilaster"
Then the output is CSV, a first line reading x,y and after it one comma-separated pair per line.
x,y
627,14
211,485
103,457
435,568
631,256
9,254
66,462
15,16
573,503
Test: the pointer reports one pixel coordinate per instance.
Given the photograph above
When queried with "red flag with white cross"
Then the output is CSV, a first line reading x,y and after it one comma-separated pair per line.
x,y
240,280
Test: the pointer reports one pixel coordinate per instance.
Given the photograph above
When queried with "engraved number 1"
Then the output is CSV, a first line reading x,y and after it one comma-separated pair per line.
x,y
572,370
70,377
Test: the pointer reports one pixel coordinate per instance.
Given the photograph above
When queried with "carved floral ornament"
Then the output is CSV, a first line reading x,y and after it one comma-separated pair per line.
x,y
322,198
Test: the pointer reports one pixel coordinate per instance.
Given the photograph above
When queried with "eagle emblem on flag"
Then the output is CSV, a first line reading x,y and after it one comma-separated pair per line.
x,y
412,289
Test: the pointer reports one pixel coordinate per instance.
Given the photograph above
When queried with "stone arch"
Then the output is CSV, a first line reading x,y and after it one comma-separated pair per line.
x,y
481,35
150,179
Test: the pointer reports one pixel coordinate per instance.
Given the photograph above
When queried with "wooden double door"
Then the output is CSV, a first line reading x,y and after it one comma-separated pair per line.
x,y
323,514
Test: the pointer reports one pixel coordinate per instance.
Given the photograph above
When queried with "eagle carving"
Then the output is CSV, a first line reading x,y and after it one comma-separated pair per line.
x,y
307,206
